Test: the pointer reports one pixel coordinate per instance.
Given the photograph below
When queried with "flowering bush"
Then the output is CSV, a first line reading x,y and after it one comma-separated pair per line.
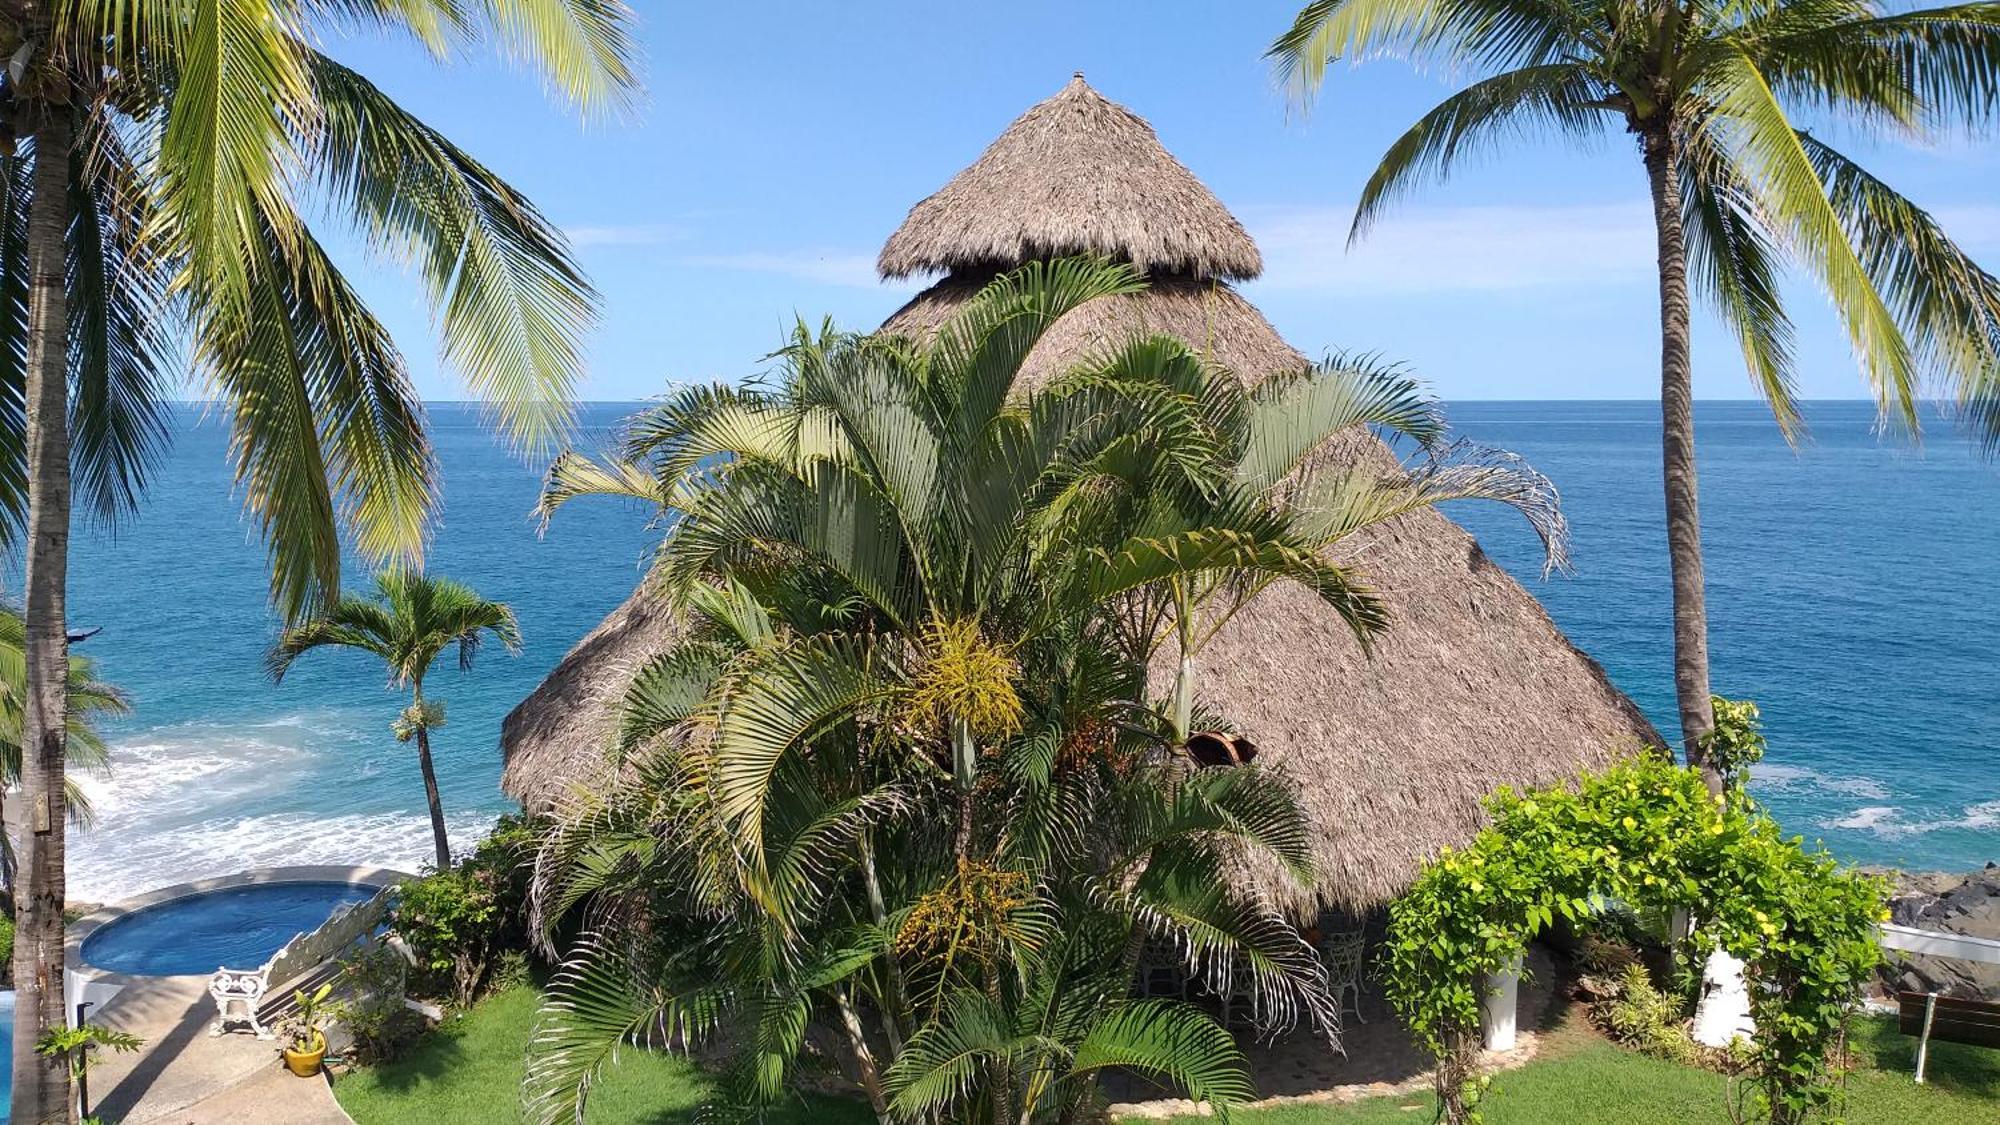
x,y
1645,832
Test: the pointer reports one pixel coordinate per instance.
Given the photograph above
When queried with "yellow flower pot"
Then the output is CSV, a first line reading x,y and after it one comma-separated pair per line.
x,y
305,1064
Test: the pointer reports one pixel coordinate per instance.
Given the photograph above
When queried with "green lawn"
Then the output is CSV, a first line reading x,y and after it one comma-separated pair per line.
x,y
1584,1080
469,1073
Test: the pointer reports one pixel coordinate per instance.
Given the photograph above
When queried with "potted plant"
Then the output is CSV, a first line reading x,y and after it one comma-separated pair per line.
x,y
305,1032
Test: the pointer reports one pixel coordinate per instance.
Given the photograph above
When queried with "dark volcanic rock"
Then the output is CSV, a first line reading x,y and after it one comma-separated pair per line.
x,y
1964,904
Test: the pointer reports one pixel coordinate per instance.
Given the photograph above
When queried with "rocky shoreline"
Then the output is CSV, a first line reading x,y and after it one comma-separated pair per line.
x,y
1960,903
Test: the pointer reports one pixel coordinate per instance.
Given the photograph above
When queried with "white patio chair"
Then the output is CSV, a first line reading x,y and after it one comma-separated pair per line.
x,y
1342,953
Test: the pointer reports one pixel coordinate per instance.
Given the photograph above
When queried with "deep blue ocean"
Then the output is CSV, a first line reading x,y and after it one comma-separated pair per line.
x,y
1854,592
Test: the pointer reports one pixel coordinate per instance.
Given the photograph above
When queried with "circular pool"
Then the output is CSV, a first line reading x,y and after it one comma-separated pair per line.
x,y
233,927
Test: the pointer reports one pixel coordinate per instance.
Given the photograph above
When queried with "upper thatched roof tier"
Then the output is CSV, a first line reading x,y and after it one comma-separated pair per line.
x,y
1077,174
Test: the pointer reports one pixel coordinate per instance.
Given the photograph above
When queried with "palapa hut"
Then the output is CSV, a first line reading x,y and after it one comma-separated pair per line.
x,y
1472,687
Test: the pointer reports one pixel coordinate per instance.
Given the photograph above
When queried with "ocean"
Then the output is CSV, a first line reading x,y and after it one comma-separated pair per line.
x,y
1853,594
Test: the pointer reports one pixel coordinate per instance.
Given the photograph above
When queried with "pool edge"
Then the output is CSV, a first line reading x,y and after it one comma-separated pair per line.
x,y
84,984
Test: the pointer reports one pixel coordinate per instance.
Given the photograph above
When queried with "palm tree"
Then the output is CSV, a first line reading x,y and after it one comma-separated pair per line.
x,y
90,701
906,755
149,171
1706,91
408,624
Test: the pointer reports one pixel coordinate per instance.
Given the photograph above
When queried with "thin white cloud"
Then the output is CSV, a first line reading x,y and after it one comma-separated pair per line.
x,y
1443,249
1499,248
819,267
649,234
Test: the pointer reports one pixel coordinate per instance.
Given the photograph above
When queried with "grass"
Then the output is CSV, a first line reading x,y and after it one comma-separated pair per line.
x,y
469,1073
1581,1078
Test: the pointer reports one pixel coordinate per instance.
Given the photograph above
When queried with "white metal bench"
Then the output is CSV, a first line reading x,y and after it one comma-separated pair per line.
x,y
239,994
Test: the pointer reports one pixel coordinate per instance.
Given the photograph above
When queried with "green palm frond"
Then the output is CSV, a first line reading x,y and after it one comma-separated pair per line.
x,y
512,307
600,1002
117,307
1732,257
1498,34
1948,306
1750,122
572,475
1291,416
943,1063
16,188
240,95
325,422
1561,97
978,353
584,47
1218,550
1170,1040
772,701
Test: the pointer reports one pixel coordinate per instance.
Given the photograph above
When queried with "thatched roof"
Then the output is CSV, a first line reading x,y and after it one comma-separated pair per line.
x,y
561,735
1077,174
1472,687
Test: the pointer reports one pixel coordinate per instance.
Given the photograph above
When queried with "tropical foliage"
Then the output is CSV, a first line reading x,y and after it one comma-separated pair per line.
x,y
91,701
1716,99
1647,833
157,162
410,622
901,783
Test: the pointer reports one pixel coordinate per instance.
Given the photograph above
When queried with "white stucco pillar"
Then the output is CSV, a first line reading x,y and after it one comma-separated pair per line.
x,y
1496,1011
1724,1011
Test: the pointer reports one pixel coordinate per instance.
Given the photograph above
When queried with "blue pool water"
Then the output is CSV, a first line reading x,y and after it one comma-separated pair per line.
x,y
238,928
6,1051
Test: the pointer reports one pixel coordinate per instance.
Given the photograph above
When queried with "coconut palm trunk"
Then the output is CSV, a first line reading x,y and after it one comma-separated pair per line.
x,y
41,1084
438,836
1677,452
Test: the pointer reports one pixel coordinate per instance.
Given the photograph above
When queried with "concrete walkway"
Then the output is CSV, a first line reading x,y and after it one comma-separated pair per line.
x,y
185,1076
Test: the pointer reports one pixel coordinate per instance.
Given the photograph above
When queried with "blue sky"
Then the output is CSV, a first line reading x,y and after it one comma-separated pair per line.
x,y
779,144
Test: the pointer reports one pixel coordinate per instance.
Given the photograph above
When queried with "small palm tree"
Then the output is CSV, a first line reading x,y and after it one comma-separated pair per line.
x,y
1706,92
90,700
409,623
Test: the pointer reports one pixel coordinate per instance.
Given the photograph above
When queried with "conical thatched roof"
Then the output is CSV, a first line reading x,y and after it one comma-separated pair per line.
x,y
1077,174
1472,687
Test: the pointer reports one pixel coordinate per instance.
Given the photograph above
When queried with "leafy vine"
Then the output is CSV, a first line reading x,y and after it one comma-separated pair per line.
x,y
1647,833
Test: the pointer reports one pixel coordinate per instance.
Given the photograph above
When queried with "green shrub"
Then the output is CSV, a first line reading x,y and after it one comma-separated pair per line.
x,y
462,922
373,1013
1646,1019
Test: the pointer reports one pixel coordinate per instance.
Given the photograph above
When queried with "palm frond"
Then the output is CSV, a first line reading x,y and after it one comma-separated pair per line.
x,y
512,307
1561,97
1750,123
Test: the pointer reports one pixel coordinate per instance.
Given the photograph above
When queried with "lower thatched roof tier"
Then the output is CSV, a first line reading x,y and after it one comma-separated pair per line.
x,y
561,736
1472,687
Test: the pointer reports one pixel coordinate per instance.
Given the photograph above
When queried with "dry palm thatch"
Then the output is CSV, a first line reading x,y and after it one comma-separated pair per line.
x,y
562,735
1077,174
1472,687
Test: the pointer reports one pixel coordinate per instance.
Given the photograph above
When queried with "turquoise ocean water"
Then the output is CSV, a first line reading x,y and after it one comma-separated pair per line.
x,y
1852,585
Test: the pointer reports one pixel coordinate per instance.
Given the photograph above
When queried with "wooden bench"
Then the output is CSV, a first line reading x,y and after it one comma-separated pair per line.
x,y
1929,1016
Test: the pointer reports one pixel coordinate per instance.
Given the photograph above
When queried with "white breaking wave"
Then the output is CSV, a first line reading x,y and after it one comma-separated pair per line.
x,y
1793,779
192,801
108,868
1886,821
